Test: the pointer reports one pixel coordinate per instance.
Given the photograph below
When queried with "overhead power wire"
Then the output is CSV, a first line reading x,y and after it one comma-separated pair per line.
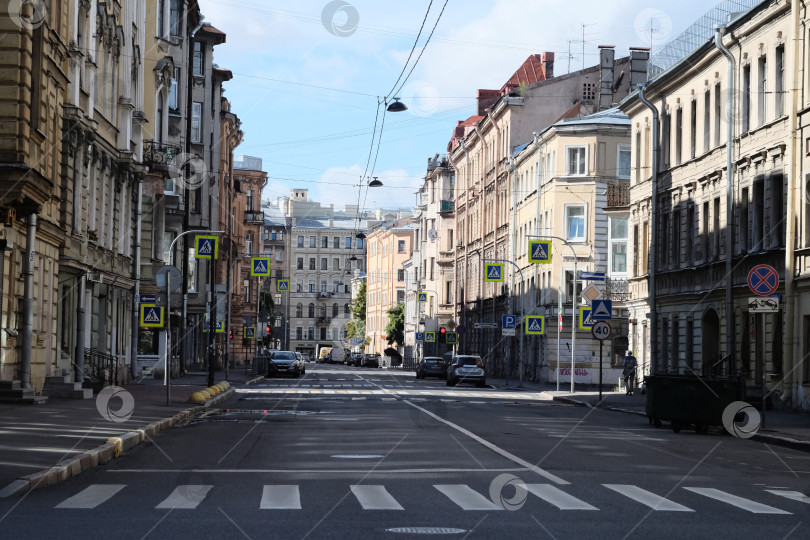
x,y
425,45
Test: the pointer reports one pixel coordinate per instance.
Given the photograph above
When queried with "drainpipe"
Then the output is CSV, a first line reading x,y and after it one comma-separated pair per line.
x,y
651,259
481,234
136,292
731,330
28,303
539,186
512,250
466,246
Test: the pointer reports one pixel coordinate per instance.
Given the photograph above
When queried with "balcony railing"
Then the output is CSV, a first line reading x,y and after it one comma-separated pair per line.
x,y
618,195
158,155
617,289
324,320
447,207
254,217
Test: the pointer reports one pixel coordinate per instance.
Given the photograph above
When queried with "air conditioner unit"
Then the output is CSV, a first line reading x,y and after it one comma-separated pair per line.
x,y
95,277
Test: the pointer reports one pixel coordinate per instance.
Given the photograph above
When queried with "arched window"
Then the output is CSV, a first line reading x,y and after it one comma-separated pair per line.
x,y
335,310
299,310
346,309
311,313
323,311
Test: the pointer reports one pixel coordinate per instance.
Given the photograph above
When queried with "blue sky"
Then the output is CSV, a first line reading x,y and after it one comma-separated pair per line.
x,y
308,74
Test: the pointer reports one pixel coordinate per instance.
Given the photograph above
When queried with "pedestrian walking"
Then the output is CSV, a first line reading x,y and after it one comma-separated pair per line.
x,y
629,373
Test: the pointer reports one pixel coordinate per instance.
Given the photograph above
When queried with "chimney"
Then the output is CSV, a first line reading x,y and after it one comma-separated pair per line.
x,y
606,57
486,99
639,57
548,65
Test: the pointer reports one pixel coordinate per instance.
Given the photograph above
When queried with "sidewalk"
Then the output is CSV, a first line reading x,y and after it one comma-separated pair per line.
x,y
50,442
782,428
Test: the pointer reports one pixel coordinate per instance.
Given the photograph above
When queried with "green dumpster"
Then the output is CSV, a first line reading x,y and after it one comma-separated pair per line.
x,y
690,401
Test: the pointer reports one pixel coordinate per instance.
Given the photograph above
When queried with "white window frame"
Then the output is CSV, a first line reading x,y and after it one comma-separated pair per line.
x,y
619,149
568,148
612,241
196,122
584,237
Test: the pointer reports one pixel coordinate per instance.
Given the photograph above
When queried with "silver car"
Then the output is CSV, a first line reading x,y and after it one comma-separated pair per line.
x,y
467,368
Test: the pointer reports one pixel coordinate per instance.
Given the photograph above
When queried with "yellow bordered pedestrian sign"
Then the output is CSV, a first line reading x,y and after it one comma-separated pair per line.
x,y
283,285
260,266
422,297
220,329
206,247
249,332
585,319
451,338
540,251
151,316
430,337
535,325
493,272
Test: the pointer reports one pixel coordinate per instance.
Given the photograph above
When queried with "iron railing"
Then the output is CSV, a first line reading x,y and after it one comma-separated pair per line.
x,y
617,289
254,217
618,195
447,206
100,369
157,154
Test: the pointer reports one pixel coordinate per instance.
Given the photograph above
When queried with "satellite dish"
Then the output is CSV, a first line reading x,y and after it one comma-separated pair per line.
x,y
432,234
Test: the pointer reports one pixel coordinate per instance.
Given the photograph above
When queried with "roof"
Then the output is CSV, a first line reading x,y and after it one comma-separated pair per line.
x,y
607,117
531,71
213,33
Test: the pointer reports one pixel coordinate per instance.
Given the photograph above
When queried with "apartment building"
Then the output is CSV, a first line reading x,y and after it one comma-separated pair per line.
x,y
276,239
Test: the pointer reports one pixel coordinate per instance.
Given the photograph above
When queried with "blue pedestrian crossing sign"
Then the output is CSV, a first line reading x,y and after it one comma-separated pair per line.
x,y
250,332
151,316
284,285
535,325
451,338
493,272
422,297
586,321
260,266
430,337
220,329
420,336
602,310
540,251
206,247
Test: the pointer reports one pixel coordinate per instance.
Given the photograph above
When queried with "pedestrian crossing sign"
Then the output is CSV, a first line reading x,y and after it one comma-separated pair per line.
x,y
430,337
535,325
540,251
586,321
451,338
493,272
151,316
260,266
249,332
422,297
207,247
284,285
220,329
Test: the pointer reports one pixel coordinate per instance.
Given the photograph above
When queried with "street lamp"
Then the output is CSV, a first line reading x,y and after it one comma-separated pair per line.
x,y
375,182
397,106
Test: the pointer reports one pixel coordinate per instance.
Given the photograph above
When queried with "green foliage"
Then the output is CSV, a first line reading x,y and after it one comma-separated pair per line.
x,y
355,328
359,305
395,330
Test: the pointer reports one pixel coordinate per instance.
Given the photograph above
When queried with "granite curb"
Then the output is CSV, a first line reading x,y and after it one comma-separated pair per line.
x,y
113,448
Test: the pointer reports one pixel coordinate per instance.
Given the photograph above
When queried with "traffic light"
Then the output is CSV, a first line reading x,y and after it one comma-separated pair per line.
x,y
268,330
442,334
230,334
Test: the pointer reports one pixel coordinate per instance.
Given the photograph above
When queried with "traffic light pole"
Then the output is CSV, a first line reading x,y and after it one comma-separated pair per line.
x,y
522,315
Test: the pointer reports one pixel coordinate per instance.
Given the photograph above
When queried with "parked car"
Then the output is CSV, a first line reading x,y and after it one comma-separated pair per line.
x,y
355,359
371,360
467,368
431,366
302,362
284,363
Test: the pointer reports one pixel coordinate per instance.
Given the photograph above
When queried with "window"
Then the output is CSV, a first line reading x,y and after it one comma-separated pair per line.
x,y
300,241
174,17
299,332
336,242
763,90
249,242
312,263
575,222
174,105
273,235
623,161
198,59
746,99
196,122
267,234
678,135
311,311
778,212
745,219
576,158
324,263
348,244
716,229
400,296
159,118
618,245
400,275
312,242
300,263
324,241
432,268
569,287
705,235
690,233
299,310
779,81
638,156
249,201
161,22
636,272
693,130
449,239
323,286
717,113
666,140
359,243
400,246
335,310
707,120
675,256
335,264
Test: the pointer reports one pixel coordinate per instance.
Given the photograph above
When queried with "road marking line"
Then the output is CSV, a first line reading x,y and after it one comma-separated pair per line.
x,y
558,497
91,496
322,471
375,498
739,502
466,498
186,497
792,495
494,448
648,498
280,497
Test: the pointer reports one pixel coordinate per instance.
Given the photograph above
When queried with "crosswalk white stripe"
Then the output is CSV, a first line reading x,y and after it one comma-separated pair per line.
x,y
792,495
739,502
648,498
558,497
186,497
375,498
280,497
91,496
466,498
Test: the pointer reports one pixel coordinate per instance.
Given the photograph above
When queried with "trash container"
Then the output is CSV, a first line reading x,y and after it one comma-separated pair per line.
x,y
260,364
690,401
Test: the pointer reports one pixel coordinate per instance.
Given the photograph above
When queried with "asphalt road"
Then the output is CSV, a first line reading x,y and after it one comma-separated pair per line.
x,y
364,453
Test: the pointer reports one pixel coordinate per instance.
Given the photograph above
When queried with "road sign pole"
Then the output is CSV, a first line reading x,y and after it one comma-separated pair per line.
x,y
167,361
600,370
574,323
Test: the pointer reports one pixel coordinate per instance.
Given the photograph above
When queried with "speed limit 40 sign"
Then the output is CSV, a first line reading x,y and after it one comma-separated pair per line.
x,y
601,330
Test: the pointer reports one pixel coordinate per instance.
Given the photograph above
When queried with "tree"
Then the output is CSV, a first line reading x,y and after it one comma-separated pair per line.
x,y
355,328
359,304
395,330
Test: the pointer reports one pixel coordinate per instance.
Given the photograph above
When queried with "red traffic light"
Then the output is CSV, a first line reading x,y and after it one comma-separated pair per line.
x,y
268,329
442,330
230,334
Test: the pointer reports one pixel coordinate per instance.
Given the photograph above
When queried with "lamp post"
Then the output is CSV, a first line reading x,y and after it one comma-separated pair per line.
x,y
522,316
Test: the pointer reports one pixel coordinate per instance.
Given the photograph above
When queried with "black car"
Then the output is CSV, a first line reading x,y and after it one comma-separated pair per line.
x,y
355,359
371,360
467,368
284,363
431,366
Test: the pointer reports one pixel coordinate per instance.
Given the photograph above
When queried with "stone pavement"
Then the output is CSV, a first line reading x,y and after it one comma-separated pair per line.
x,y
47,443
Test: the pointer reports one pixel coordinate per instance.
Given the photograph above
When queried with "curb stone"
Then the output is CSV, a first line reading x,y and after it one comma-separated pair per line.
x,y
113,448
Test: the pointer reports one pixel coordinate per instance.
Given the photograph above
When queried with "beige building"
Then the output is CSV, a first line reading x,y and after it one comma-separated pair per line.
x,y
712,218
571,186
389,246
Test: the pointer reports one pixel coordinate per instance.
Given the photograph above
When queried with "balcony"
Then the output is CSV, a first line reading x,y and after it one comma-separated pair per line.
x,y
160,156
324,320
447,207
617,289
618,195
446,257
254,217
